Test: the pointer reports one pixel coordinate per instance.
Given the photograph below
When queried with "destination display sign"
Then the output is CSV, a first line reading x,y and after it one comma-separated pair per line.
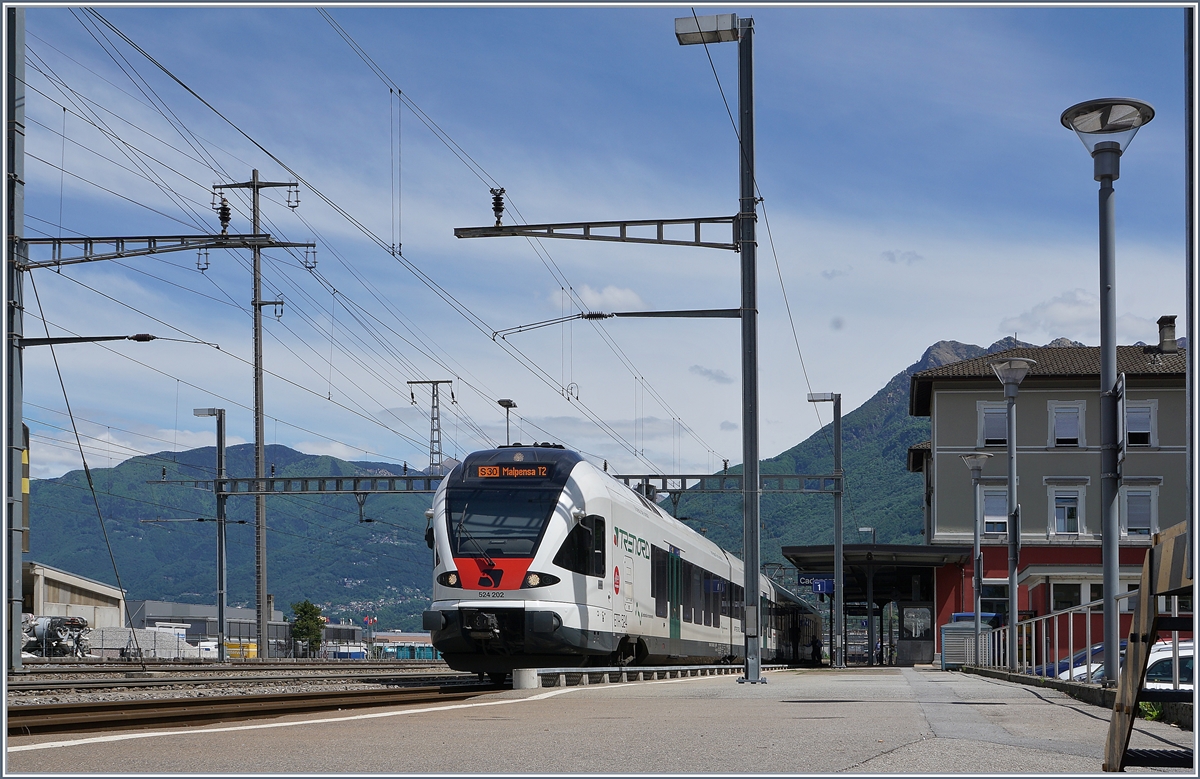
x,y
513,471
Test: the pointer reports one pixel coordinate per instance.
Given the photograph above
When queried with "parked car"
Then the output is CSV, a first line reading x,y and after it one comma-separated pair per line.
x,y
1069,668
1158,668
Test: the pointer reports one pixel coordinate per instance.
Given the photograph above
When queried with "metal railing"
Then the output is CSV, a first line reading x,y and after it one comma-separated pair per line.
x,y
1041,641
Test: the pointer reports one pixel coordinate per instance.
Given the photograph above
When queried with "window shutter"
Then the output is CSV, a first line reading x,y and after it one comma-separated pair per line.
x,y
995,426
1138,520
1066,426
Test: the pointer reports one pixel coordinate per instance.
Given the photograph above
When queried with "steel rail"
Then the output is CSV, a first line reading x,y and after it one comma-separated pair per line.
x,y
63,666
408,679
112,715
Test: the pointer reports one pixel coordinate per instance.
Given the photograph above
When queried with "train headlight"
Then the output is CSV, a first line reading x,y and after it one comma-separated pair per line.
x,y
539,580
449,579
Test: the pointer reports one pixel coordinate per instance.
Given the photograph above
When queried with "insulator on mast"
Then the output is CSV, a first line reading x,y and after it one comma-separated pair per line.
x,y
224,213
498,204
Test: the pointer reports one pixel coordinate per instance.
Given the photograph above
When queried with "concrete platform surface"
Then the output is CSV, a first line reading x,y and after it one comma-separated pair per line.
x,y
866,721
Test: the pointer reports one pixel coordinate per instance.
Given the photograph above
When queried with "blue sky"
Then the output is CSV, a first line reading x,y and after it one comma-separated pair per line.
x,y
916,181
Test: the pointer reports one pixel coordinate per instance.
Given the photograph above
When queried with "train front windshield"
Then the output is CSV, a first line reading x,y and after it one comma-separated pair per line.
x,y
495,522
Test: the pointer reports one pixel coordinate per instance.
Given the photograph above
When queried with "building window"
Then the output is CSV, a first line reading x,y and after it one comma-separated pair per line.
x,y
1066,423
1141,423
1065,509
995,511
993,423
993,599
1066,512
1065,596
1139,515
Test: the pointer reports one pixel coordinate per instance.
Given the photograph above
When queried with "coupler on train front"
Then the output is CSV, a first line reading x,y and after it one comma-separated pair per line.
x,y
497,640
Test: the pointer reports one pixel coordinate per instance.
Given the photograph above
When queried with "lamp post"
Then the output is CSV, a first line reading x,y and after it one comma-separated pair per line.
x,y
1011,372
219,488
976,462
1106,126
871,655
837,657
716,29
508,406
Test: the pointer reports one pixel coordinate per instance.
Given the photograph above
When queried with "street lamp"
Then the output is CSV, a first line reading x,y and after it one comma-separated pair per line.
x,y
508,407
871,654
1011,372
976,462
219,488
837,658
1106,127
717,29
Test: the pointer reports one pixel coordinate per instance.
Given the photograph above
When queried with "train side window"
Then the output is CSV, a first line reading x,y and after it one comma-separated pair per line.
x,y
687,591
707,598
583,550
658,581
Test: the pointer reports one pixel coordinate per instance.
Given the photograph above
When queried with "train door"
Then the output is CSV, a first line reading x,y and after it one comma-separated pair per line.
x,y
625,598
675,600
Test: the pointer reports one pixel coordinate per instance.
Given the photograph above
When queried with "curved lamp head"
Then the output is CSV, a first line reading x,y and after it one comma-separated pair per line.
x,y
976,461
1109,119
1013,369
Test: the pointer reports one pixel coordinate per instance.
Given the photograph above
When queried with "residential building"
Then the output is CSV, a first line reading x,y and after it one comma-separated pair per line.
x,y
1058,470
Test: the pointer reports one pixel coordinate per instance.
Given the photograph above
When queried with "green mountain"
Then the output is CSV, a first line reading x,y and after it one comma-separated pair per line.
x,y
316,547
320,551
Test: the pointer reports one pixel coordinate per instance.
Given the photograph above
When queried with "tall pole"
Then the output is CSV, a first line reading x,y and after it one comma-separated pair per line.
x,y
838,660
747,216
976,561
263,617
262,611
1107,157
1014,531
221,497
975,462
14,449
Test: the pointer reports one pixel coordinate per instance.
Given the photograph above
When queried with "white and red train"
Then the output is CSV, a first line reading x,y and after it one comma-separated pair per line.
x,y
543,560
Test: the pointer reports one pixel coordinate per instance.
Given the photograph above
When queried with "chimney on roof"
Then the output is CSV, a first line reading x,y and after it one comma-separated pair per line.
x,y
1166,335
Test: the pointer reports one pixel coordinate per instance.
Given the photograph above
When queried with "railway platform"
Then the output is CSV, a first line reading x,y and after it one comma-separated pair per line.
x,y
804,721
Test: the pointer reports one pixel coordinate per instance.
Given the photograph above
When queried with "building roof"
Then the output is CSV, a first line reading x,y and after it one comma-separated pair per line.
x,y
1051,362
917,454
28,565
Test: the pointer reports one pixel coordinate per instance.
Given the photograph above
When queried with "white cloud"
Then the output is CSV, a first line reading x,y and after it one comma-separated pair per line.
x,y
712,374
896,256
1074,314
611,298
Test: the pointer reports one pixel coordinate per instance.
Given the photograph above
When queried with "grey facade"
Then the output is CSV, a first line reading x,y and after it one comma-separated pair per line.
x,y
1058,446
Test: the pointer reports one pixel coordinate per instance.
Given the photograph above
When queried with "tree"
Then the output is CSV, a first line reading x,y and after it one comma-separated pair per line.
x,y
308,627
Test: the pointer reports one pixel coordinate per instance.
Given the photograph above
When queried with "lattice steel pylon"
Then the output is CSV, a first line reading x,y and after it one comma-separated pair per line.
x,y
435,422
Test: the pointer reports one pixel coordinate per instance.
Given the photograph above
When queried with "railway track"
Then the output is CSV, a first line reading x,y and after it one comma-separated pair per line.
x,y
35,668
409,678
112,715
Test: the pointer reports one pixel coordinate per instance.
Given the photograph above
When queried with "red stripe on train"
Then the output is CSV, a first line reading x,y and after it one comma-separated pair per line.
x,y
505,573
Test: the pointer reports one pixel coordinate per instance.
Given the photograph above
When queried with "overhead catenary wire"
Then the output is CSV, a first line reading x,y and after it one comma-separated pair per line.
x,y
539,249
779,272
87,471
424,278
